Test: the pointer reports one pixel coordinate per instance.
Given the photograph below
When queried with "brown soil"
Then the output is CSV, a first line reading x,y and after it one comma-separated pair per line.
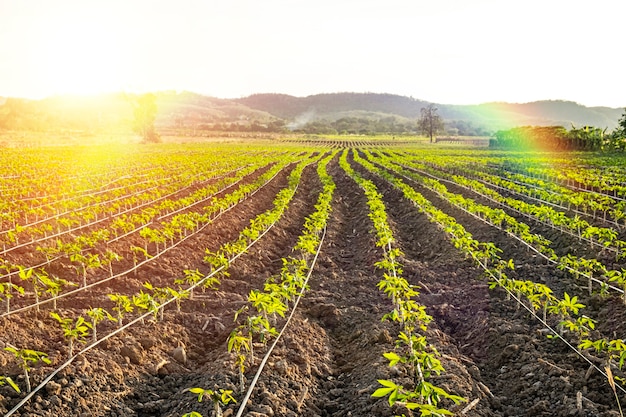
x,y
329,359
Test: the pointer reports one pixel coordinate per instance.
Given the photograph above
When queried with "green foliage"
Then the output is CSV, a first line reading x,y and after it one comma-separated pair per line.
x,y
145,112
219,397
73,331
7,380
557,138
25,359
123,305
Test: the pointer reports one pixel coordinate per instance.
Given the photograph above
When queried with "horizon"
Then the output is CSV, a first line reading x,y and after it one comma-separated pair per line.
x,y
178,92
450,52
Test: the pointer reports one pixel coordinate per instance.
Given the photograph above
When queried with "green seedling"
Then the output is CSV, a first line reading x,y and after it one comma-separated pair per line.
x,y
191,278
7,289
239,344
219,397
53,285
123,305
29,275
7,380
97,315
26,358
145,301
108,258
84,263
73,331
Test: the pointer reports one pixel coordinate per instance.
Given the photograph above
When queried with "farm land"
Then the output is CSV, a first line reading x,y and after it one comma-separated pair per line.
x,y
311,278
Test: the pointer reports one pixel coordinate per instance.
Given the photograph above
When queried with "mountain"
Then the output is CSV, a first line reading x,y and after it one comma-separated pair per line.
x,y
492,116
341,112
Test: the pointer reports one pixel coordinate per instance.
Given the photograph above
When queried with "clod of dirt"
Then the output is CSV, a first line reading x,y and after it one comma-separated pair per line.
x,y
52,388
133,352
327,313
180,355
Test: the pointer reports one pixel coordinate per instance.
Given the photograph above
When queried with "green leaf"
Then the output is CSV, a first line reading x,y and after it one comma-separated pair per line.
x,y
392,357
382,392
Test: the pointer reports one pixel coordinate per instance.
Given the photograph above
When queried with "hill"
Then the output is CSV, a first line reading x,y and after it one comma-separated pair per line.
x,y
491,116
340,112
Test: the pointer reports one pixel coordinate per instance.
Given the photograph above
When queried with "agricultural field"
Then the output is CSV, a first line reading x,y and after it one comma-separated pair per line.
x,y
311,278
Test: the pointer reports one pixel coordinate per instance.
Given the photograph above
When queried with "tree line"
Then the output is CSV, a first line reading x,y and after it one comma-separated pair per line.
x,y
558,138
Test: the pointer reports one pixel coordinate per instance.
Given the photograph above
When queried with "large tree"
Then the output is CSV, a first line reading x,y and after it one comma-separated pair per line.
x,y
145,109
429,122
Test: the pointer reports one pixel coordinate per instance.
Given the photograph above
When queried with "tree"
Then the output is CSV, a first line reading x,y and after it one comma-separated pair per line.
x,y
429,122
622,124
145,110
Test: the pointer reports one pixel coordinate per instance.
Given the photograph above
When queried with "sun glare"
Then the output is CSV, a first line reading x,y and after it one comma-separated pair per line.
x,y
81,58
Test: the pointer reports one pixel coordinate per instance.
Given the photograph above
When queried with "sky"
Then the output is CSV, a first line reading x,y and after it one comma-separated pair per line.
x,y
443,51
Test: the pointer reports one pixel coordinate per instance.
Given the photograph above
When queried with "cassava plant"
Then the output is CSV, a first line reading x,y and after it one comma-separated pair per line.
x,y
239,344
7,380
219,397
97,315
73,331
27,274
7,291
27,358
123,305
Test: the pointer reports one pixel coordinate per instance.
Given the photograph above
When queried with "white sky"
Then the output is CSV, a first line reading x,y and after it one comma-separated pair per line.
x,y
445,51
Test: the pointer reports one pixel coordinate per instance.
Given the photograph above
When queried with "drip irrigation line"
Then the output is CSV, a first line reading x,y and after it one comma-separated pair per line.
x,y
572,270
557,334
244,401
547,326
94,284
129,324
528,215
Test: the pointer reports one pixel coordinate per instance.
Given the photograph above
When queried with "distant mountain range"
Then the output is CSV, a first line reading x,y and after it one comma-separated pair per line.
x,y
191,110
492,115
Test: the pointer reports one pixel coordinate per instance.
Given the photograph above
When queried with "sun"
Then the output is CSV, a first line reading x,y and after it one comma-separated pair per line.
x,y
81,58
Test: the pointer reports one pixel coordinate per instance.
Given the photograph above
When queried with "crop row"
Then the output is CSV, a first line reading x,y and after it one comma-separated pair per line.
x,y
565,311
77,328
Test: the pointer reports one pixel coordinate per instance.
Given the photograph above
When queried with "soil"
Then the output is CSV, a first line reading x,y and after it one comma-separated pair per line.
x,y
330,357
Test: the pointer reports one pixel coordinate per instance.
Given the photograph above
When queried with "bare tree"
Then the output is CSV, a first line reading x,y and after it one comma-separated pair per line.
x,y
429,122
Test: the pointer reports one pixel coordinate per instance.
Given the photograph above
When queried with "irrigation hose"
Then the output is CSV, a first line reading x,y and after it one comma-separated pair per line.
x,y
126,326
245,399
557,334
136,267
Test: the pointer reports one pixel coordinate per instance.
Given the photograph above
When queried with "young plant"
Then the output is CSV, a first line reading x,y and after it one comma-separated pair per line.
x,y
145,301
85,263
192,277
123,305
29,275
137,250
53,285
108,258
7,380
238,344
620,278
25,359
6,291
73,331
162,294
219,397
97,315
